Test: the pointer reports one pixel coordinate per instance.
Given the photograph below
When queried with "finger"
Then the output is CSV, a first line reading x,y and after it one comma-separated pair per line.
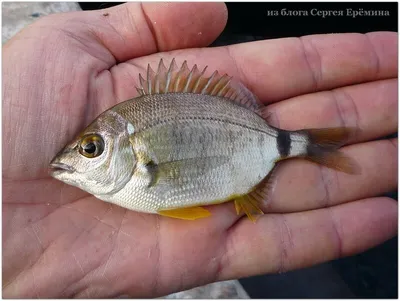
x,y
288,67
278,243
371,108
136,29
313,186
282,68
132,29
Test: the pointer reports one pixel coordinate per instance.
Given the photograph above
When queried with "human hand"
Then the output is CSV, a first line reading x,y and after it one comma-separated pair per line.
x,y
64,70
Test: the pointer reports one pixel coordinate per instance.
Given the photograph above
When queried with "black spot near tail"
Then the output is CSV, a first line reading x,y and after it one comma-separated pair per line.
x,y
283,143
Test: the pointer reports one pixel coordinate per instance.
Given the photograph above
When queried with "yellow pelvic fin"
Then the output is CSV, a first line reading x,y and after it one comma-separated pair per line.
x,y
191,213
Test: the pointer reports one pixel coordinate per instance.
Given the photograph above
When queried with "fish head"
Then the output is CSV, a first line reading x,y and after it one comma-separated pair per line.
x,y
100,160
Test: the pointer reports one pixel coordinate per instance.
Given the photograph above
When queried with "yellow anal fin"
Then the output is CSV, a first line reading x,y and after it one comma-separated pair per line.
x,y
250,203
191,213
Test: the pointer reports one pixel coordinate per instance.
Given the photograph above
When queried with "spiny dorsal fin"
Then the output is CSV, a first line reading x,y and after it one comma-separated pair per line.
x,y
184,80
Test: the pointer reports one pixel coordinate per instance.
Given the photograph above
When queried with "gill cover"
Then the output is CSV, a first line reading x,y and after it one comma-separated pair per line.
x,y
101,160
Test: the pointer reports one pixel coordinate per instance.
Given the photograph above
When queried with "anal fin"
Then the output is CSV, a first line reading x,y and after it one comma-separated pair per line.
x,y
191,213
250,203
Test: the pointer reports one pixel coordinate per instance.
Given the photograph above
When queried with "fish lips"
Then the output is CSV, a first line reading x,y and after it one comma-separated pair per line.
x,y
57,168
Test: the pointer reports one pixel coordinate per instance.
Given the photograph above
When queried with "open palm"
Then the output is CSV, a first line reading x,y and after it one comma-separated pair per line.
x,y
61,72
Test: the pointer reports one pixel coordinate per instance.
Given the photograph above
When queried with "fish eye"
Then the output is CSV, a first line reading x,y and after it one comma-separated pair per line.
x,y
91,146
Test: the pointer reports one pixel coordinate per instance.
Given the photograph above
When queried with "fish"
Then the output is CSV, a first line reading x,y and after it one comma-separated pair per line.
x,y
187,141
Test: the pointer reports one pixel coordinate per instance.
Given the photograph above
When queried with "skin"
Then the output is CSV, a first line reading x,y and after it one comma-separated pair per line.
x,y
62,71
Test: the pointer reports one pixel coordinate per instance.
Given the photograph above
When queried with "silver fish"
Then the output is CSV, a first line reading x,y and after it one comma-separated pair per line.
x,y
188,141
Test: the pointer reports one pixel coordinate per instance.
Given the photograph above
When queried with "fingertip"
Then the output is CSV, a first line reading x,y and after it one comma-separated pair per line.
x,y
385,46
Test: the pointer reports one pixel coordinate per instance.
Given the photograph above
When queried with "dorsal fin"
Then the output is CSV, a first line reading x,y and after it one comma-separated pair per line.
x,y
184,80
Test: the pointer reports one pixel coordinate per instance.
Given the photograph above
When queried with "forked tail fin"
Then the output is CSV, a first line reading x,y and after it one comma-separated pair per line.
x,y
323,145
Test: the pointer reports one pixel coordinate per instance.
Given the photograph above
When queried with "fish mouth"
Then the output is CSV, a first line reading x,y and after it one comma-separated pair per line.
x,y
57,168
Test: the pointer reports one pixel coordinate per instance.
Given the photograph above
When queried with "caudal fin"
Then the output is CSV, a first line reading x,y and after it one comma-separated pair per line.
x,y
323,148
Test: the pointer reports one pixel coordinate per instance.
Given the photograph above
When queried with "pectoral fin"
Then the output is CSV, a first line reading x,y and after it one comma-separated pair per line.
x,y
186,169
191,213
